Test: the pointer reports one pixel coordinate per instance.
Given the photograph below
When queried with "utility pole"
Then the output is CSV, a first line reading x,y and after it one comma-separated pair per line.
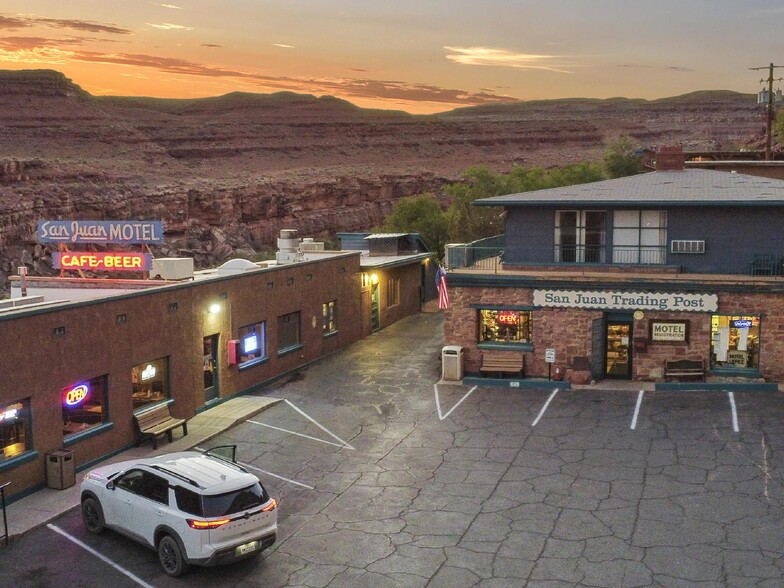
x,y
769,124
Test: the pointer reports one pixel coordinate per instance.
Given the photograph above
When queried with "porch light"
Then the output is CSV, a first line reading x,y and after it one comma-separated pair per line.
x,y
214,308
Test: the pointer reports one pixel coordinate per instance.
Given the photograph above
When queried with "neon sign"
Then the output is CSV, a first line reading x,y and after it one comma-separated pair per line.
x,y
149,372
9,414
507,317
101,260
83,231
250,344
744,323
76,395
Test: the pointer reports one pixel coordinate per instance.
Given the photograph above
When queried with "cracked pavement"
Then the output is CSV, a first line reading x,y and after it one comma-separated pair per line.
x,y
483,498
381,485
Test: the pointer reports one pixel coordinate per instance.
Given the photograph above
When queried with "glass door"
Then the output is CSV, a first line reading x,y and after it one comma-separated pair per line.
x,y
618,350
210,364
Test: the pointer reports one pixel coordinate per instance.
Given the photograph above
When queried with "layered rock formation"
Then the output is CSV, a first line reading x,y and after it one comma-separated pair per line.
x,y
225,174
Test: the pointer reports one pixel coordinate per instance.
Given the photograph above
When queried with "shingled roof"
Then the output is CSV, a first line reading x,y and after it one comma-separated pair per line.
x,y
680,188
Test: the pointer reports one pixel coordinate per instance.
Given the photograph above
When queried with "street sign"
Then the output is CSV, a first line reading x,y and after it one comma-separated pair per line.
x,y
549,355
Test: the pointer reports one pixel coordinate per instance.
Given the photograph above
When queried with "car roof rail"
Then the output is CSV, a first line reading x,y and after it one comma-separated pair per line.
x,y
178,476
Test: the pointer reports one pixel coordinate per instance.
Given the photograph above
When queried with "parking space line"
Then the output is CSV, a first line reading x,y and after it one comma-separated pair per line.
x,y
544,408
100,556
323,428
637,409
299,434
438,402
734,412
247,465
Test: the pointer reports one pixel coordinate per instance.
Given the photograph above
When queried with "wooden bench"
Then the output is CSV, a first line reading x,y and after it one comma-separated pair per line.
x,y
502,364
155,422
684,368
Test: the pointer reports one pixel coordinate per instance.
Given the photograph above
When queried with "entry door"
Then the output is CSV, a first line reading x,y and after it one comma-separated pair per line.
x,y
210,364
375,324
618,350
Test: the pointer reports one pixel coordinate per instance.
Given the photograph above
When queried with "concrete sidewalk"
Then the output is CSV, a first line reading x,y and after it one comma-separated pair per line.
x,y
41,507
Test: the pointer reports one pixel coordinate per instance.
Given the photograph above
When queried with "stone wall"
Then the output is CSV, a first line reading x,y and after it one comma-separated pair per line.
x,y
568,331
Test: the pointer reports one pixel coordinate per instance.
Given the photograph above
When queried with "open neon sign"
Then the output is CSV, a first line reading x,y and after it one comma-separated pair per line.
x,y
507,317
76,395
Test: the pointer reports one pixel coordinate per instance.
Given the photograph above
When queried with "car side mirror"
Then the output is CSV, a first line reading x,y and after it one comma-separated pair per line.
x,y
110,484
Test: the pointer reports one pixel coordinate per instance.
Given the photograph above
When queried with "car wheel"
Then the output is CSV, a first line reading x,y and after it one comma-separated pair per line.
x,y
92,515
171,557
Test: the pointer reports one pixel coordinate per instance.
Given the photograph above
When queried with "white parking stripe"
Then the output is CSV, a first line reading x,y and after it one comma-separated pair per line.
x,y
438,402
544,408
247,465
734,412
299,434
323,428
637,409
100,556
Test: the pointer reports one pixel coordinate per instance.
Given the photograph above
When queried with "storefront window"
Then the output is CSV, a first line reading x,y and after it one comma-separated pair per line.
x,y
84,405
330,324
735,341
253,343
150,382
504,326
14,428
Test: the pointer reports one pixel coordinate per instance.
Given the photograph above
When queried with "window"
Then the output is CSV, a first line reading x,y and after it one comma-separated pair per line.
x,y
150,382
288,331
253,343
330,317
504,326
393,291
15,435
145,484
84,405
580,236
735,341
639,236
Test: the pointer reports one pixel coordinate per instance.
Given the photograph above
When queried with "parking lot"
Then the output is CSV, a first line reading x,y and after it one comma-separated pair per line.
x,y
386,478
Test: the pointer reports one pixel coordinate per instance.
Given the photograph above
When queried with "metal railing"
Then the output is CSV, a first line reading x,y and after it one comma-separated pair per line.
x,y
5,517
498,258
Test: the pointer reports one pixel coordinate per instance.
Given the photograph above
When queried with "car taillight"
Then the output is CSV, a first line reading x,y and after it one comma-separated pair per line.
x,y
204,525
271,506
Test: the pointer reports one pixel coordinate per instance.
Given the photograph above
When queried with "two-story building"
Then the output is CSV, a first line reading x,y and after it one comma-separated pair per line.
x,y
612,279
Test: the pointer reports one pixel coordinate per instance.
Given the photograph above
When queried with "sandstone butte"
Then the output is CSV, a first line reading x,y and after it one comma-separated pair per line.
x,y
225,174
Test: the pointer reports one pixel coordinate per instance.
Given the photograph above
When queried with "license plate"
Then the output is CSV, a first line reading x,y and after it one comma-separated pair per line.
x,y
247,548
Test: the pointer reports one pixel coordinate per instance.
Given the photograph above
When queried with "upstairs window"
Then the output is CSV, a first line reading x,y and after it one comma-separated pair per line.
x,y
580,236
640,236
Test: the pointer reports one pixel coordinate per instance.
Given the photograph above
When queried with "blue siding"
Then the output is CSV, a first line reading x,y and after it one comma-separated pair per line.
x,y
732,235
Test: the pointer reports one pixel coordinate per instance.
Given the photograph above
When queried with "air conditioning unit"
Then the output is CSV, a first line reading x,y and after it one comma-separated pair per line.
x,y
172,268
683,246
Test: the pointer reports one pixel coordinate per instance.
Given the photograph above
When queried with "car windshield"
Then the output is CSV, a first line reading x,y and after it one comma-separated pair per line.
x,y
220,505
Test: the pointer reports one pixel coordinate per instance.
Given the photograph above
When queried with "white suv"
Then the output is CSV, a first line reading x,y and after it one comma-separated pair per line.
x,y
192,507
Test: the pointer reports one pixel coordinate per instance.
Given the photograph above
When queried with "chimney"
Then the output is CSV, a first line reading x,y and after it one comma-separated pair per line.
x,y
670,158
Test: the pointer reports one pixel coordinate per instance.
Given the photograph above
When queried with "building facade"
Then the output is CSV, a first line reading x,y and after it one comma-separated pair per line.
x,y
81,357
613,279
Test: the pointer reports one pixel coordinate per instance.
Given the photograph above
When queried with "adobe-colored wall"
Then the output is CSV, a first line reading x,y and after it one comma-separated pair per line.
x,y
37,365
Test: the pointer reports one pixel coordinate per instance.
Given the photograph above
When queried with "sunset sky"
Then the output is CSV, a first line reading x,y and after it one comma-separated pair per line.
x,y
421,56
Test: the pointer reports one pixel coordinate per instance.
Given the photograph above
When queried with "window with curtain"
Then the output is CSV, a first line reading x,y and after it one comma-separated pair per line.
x,y
640,236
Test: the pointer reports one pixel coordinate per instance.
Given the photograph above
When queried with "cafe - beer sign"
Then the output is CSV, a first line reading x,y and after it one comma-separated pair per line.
x,y
622,300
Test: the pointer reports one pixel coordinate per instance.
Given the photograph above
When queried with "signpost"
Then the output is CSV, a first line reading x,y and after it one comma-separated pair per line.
x,y
549,357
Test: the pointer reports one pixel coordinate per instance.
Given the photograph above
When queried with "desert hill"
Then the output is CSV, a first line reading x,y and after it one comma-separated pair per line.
x,y
227,173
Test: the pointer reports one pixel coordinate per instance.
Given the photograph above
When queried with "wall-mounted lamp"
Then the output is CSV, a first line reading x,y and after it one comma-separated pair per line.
x,y
214,308
374,278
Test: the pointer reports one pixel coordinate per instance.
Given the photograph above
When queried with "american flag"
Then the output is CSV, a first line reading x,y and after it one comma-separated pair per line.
x,y
443,295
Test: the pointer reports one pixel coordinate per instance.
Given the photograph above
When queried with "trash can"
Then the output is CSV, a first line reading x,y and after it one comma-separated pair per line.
x,y
60,471
452,363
